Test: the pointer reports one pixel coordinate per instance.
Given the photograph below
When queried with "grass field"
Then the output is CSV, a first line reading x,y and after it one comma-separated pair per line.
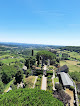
x,y
8,85
29,81
10,60
72,54
4,56
35,52
56,80
71,64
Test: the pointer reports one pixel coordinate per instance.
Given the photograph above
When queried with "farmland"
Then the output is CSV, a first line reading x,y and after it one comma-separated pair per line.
x,y
71,64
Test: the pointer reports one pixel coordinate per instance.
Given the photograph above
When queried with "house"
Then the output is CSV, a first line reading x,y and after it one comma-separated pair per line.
x,y
24,68
64,68
53,51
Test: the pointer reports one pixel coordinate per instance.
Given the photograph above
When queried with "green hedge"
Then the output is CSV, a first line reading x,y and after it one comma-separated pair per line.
x,y
49,73
49,83
38,83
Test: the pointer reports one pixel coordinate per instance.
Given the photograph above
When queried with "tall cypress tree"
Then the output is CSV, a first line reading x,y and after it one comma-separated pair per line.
x,y
32,53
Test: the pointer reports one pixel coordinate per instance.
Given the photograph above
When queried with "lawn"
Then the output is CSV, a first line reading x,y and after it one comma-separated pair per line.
x,y
71,64
56,80
8,85
72,54
10,60
4,56
29,81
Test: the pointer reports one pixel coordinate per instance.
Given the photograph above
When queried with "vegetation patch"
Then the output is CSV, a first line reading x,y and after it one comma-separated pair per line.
x,y
38,83
29,82
71,64
75,76
8,85
56,80
29,97
49,83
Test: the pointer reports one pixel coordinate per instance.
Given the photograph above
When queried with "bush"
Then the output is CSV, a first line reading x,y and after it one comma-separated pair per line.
x,y
49,77
49,72
50,85
75,76
37,84
50,68
49,80
72,87
58,87
39,76
38,79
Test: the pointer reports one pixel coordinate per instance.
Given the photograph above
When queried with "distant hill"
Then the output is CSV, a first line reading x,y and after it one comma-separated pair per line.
x,y
29,45
71,48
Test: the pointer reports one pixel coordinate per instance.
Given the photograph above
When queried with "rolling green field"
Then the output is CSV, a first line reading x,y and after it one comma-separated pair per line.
x,y
72,54
9,60
6,59
71,64
5,56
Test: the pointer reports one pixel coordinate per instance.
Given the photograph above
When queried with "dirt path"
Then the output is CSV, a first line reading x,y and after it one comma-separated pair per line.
x,y
53,80
69,92
44,83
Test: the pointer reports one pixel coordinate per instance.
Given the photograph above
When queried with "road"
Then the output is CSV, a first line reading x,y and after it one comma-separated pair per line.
x,y
44,83
44,79
53,80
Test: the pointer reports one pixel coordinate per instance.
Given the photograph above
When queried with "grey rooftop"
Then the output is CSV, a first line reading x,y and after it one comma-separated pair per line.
x,y
66,79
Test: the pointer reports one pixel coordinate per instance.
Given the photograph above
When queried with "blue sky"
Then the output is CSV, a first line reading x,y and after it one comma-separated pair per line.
x,y
55,22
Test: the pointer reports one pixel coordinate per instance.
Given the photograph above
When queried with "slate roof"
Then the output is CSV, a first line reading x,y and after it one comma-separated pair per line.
x,y
63,68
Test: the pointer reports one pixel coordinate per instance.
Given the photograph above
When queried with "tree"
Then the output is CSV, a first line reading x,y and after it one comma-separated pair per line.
x,y
62,96
58,87
30,61
1,63
28,72
32,52
8,72
45,55
19,76
6,76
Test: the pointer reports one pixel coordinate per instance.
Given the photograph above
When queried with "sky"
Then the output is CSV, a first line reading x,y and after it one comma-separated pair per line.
x,y
52,22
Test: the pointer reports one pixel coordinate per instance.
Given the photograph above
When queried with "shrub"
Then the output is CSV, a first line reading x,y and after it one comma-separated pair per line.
x,y
38,79
49,72
39,76
49,80
58,87
37,84
72,87
49,77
